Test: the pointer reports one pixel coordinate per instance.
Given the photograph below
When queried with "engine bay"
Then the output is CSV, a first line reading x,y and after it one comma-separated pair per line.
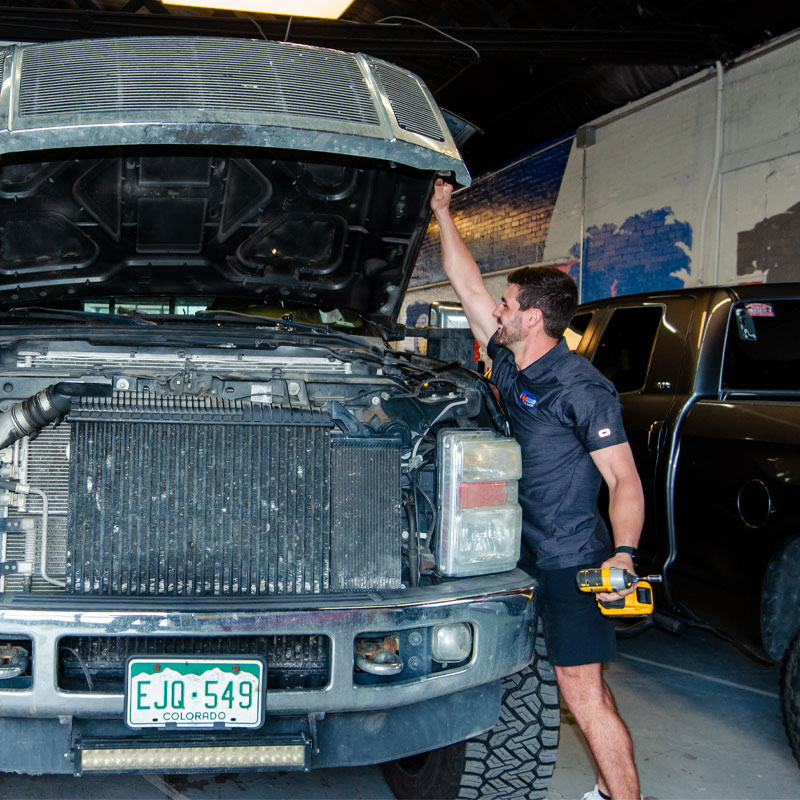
x,y
224,469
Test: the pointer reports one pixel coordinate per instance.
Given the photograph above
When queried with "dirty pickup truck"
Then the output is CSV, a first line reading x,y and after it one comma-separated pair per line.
x,y
238,530
709,380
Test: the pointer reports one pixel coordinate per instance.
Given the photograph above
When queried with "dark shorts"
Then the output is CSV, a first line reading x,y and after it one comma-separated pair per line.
x,y
574,629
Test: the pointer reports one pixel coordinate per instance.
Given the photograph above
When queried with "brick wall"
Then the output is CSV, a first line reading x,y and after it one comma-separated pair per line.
x,y
504,217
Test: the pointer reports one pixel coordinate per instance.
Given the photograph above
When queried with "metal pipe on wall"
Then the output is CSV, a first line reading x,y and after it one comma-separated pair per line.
x,y
712,180
584,138
582,253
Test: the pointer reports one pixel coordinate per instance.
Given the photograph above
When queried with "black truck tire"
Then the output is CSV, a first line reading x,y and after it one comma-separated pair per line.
x,y
790,696
515,759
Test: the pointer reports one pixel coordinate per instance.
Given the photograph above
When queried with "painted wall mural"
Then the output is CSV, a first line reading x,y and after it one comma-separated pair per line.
x,y
505,219
648,252
770,250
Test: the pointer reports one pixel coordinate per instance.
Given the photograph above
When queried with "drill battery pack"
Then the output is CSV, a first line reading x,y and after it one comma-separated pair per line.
x,y
639,603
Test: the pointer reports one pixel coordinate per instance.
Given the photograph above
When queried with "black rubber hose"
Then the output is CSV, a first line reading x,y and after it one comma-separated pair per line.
x,y
39,410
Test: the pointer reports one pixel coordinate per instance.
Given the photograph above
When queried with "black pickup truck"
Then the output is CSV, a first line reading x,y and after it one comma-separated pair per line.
x,y
709,380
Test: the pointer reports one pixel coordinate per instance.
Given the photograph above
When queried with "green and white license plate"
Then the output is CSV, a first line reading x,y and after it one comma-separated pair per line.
x,y
194,692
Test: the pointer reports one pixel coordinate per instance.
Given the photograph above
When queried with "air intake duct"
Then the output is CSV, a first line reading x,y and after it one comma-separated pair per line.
x,y
38,411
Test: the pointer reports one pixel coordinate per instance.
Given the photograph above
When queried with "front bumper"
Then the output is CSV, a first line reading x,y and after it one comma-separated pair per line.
x,y
500,609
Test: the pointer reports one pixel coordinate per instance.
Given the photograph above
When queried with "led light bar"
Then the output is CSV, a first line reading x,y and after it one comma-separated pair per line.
x,y
166,758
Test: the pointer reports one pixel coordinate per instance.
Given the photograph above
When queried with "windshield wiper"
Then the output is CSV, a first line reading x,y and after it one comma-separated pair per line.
x,y
42,312
255,319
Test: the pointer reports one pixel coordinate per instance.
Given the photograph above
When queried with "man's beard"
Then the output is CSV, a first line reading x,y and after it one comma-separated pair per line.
x,y
509,334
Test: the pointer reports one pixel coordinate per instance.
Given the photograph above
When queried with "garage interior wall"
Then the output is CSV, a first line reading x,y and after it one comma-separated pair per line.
x,y
696,184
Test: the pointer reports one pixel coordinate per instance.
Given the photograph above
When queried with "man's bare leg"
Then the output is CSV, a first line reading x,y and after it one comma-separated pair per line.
x,y
590,700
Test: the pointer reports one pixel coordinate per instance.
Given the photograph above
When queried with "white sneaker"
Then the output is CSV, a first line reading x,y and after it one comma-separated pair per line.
x,y
594,794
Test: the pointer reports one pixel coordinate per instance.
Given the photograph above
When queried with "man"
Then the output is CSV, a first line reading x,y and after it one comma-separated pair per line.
x,y
567,419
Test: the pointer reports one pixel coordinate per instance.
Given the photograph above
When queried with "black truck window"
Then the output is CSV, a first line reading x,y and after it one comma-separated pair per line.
x,y
761,350
580,322
574,332
624,351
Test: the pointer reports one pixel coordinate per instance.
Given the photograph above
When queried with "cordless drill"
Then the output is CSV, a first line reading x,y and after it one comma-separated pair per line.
x,y
638,603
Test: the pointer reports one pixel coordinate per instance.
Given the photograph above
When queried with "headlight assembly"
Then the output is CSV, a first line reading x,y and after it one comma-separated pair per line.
x,y
481,521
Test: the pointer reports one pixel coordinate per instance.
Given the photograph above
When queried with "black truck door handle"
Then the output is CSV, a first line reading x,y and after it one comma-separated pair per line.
x,y
656,436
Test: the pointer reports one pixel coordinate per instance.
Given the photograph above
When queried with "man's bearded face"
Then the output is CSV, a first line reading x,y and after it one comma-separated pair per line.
x,y
509,329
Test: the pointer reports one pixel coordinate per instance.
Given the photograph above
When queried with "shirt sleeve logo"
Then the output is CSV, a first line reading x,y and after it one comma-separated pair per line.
x,y
527,400
604,433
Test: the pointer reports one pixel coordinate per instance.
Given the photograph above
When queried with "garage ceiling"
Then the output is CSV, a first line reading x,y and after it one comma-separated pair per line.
x,y
523,71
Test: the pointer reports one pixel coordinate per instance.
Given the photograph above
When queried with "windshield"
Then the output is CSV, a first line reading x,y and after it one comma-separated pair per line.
x,y
199,306
761,352
155,306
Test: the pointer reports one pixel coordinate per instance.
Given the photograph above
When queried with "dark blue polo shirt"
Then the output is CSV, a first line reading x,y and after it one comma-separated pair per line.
x,y
562,409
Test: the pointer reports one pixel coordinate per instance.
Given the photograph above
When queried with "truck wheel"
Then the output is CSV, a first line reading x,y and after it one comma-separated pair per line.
x,y
790,696
515,759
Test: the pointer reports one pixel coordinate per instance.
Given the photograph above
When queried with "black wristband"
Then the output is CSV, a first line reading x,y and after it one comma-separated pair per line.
x,y
623,548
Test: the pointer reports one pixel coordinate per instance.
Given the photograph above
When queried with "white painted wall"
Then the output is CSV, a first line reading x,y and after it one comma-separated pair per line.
x,y
653,154
661,152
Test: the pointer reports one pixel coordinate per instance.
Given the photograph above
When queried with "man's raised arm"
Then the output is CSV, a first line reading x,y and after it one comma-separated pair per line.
x,y
461,269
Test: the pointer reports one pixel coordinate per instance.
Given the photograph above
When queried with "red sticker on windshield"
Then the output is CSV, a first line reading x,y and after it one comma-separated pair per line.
x,y
760,309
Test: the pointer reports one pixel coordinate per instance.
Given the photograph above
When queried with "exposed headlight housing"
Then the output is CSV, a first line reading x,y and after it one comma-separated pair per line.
x,y
481,521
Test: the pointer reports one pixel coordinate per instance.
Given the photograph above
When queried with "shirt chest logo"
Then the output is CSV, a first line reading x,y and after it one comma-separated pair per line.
x,y
527,400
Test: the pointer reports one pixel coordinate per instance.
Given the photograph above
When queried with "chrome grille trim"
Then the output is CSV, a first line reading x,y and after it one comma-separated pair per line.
x,y
409,102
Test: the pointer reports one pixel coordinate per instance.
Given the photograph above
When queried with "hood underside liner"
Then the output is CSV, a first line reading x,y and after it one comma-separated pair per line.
x,y
333,233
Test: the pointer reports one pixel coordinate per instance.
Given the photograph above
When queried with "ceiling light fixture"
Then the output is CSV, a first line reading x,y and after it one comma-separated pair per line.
x,y
326,9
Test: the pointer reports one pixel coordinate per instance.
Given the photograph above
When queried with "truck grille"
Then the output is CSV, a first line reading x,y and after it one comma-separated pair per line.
x,y
293,662
411,108
118,77
202,497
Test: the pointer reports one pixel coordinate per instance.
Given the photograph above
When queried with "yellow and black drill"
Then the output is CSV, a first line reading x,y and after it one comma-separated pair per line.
x,y
639,603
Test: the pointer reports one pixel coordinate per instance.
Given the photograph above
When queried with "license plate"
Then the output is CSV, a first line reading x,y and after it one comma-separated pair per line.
x,y
194,692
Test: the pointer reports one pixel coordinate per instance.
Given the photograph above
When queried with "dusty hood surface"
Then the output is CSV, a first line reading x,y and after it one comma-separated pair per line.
x,y
239,171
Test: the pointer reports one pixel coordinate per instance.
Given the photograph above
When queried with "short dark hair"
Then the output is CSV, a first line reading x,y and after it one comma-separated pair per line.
x,y
552,291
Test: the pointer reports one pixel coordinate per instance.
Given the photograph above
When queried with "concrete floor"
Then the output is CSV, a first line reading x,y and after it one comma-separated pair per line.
x,y
705,719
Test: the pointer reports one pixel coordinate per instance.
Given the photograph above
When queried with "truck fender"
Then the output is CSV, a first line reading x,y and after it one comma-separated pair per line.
x,y
780,599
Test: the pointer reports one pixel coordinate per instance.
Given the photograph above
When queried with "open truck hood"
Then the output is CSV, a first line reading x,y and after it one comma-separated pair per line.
x,y
244,171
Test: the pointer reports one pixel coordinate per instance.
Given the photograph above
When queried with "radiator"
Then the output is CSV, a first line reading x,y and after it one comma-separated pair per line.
x,y
203,497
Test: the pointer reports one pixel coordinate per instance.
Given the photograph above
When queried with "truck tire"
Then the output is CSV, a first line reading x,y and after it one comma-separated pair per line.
x,y
790,696
515,759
